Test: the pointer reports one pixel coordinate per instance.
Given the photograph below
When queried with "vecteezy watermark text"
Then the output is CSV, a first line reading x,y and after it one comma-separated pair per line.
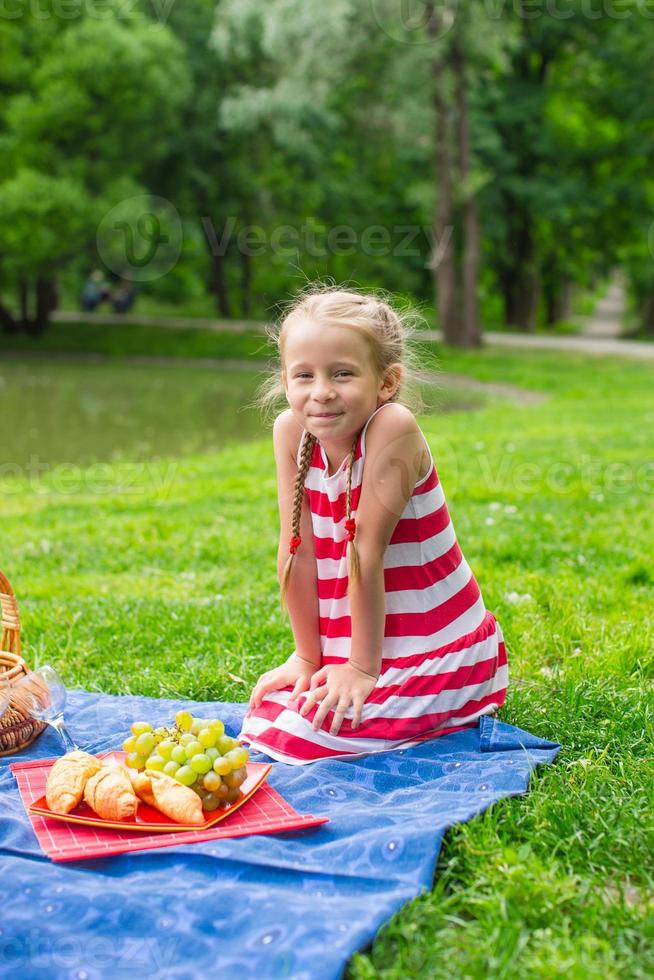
x,y
403,462
153,477
585,474
36,949
154,13
318,241
564,9
430,21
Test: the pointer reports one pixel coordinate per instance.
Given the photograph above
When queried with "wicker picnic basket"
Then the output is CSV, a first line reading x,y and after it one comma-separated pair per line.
x,y
17,729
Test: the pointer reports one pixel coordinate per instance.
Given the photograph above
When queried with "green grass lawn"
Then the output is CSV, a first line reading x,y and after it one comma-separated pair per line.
x,y
158,576
129,339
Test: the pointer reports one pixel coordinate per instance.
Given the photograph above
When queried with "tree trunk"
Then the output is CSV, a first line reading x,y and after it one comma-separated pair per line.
x,y
8,323
551,285
246,283
557,292
46,302
442,260
23,302
530,67
521,282
566,296
471,325
648,314
219,285
521,302
550,295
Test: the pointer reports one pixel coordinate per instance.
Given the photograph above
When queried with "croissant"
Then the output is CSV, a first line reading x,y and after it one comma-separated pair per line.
x,y
163,792
67,779
109,792
142,786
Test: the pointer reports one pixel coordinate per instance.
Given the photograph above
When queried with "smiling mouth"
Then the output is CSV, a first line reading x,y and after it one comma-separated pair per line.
x,y
330,415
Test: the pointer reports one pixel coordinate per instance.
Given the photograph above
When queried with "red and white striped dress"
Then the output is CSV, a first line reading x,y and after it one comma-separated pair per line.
x,y
444,661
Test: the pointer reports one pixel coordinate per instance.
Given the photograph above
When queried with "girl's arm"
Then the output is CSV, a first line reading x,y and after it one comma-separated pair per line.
x,y
302,594
395,458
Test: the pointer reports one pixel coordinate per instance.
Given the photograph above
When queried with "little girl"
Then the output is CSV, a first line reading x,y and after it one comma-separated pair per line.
x,y
393,642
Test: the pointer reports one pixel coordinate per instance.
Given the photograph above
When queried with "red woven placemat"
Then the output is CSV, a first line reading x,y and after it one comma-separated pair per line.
x,y
266,812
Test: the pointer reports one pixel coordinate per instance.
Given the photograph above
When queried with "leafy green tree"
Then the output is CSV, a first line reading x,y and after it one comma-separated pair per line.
x,y
316,94
43,224
564,142
488,148
101,106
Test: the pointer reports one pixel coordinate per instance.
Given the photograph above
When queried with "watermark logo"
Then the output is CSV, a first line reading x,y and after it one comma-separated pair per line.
x,y
404,462
141,238
161,10
415,21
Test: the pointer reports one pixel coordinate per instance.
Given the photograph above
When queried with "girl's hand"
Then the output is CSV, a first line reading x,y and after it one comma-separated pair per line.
x,y
339,685
294,671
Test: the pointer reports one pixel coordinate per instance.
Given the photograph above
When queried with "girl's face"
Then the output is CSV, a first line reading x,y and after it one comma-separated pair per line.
x,y
330,382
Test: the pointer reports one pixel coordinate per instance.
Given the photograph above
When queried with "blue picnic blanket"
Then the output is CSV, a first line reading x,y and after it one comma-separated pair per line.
x,y
292,905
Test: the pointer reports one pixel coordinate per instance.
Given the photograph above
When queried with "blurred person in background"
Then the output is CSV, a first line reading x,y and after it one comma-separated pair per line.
x,y
94,291
123,296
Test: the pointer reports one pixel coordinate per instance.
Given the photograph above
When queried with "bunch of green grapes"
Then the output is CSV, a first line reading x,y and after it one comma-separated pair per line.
x,y
196,752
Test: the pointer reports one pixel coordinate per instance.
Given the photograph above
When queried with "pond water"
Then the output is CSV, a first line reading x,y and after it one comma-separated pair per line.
x,y
57,412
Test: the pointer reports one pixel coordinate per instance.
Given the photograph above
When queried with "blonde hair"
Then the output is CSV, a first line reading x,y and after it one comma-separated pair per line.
x,y
387,330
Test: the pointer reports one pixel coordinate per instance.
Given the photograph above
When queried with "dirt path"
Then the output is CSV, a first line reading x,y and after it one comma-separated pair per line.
x,y
606,346
169,322
608,319
601,343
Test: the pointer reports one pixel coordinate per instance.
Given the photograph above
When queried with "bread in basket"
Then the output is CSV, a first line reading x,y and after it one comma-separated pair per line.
x,y
17,728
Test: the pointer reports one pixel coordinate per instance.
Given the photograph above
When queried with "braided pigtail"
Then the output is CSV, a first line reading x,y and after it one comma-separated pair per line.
x,y
308,443
353,569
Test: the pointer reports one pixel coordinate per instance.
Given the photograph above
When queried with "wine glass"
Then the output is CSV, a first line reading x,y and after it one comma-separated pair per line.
x,y
41,694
